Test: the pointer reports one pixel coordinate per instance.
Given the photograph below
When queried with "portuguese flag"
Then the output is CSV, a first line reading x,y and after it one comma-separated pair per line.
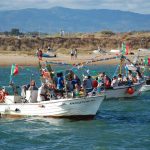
x,y
14,70
146,60
125,49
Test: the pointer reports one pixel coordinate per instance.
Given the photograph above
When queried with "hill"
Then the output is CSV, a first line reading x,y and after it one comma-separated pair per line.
x,y
73,20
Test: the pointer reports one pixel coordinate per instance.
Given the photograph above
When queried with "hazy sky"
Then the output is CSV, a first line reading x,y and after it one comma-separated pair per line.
x,y
140,6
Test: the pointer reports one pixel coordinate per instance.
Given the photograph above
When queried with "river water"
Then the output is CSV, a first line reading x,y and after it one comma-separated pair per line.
x,y
119,124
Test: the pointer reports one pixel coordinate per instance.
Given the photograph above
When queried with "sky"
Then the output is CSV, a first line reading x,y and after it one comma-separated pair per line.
x,y
138,6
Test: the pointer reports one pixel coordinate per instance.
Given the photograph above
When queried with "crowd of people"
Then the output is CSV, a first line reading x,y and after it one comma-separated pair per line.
x,y
61,86
69,84
120,80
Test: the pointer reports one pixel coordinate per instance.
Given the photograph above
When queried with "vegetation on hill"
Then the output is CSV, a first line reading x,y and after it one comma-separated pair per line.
x,y
83,42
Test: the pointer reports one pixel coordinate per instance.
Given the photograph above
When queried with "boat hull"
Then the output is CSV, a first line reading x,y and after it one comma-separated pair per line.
x,y
121,91
66,108
145,88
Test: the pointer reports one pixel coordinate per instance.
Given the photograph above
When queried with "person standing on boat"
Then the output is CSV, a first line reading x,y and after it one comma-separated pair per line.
x,y
100,85
87,84
77,90
32,86
114,82
130,76
120,79
69,85
95,83
107,82
60,83
75,81
43,93
139,76
14,88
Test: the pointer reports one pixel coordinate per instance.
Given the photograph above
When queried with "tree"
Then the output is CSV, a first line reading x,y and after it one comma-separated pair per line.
x,y
107,32
15,31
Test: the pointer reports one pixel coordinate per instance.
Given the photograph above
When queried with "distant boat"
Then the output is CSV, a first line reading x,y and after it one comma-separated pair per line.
x,y
49,55
99,51
117,51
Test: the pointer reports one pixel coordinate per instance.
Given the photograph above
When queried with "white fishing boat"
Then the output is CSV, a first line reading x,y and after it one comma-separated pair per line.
x,y
16,106
117,51
124,91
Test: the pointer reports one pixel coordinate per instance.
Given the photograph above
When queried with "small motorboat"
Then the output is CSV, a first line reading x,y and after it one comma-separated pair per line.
x,y
49,55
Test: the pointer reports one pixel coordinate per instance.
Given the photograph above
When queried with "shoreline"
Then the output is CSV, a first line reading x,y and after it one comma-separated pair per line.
x,y
29,60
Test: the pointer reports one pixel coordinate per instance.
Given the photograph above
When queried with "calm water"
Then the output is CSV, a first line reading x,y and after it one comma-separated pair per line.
x,y
119,124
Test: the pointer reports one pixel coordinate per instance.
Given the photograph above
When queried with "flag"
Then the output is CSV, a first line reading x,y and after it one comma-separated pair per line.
x,y
146,60
125,49
14,70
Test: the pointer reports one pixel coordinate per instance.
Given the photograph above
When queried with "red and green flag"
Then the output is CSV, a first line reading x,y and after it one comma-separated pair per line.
x,y
125,49
14,70
146,60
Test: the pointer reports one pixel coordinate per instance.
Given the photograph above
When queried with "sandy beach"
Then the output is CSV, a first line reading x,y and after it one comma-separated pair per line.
x,y
29,60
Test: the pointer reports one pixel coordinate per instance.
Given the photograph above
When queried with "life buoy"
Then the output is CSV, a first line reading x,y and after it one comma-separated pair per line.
x,y
130,90
2,96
